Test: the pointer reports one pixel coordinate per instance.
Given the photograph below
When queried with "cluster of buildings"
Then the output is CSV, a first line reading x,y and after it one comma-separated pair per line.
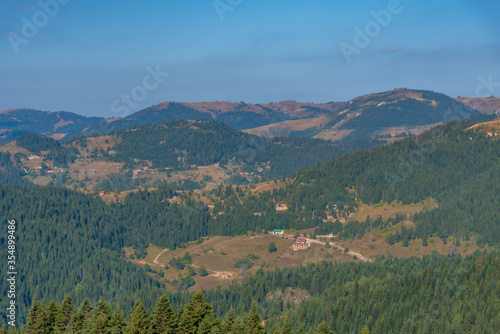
x,y
300,243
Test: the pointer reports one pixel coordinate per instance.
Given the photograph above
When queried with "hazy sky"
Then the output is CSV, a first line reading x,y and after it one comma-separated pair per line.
x,y
85,56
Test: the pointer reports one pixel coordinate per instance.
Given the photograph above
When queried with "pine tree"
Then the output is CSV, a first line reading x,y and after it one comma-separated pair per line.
x,y
102,317
365,330
52,312
228,325
139,321
86,308
205,326
163,320
252,324
286,327
117,322
37,318
184,322
83,317
323,328
64,316
197,310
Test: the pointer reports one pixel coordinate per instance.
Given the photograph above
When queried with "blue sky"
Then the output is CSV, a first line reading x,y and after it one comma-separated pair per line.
x,y
87,55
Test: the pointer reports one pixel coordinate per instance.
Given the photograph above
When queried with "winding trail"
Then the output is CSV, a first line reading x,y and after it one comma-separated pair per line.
x,y
351,253
155,261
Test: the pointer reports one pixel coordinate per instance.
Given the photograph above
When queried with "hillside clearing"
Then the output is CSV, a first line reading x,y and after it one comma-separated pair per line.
x,y
390,210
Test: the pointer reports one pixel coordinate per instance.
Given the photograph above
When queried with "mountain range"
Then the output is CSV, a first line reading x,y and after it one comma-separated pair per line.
x,y
395,113
155,205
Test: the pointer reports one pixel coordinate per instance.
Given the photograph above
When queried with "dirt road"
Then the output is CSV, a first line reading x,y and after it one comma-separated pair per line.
x,y
351,253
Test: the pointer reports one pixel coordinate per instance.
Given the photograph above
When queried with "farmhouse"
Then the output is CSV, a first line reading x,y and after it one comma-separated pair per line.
x,y
280,206
300,243
278,232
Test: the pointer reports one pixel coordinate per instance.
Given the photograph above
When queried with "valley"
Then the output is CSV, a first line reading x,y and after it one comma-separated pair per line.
x,y
218,255
250,167
188,205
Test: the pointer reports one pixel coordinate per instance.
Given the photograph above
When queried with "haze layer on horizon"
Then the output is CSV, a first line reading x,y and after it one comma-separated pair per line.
x,y
88,56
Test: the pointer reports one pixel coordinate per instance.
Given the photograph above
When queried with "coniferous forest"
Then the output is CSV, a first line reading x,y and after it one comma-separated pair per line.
x,y
179,144
249,167
75,277
448,294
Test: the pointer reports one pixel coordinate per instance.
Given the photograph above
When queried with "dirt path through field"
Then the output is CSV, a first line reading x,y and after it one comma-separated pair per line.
x,y
216,273
155,261
351,253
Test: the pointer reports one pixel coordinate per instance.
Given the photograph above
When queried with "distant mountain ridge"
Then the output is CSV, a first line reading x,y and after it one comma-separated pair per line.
x,y
390,114
237,115
486,105
15,122
395,113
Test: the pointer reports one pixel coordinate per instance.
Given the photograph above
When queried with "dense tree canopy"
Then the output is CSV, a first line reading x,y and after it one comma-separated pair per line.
x,y
73,243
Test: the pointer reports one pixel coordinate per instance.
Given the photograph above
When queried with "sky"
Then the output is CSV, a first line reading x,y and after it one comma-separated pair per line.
x,y
111,58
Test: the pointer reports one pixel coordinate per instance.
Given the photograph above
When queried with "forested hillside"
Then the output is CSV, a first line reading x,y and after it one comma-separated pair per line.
x,y
403,107
60,155
9,172
180,144
457,167
67,243
432,294
73,243
428,295
14,123
186,154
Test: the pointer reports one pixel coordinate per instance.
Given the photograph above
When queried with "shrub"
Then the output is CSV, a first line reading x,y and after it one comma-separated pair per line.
x,y
243,264
187,258
390,239
272,247
188,282
406,243
177,263
253,256
206,250
203,272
